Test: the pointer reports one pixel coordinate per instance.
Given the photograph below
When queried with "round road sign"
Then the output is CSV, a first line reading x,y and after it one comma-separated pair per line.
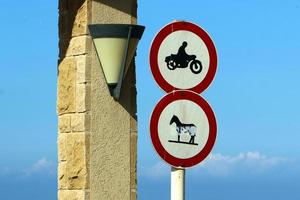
x,y
183,57
183,128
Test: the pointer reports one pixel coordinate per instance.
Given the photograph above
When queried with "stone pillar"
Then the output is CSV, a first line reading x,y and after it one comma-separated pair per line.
x,y
96,135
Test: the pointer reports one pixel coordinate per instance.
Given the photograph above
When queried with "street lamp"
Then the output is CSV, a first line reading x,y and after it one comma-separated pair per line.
x,y
115,45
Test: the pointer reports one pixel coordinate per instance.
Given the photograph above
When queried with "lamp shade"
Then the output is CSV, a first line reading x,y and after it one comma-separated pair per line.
x,y
115,45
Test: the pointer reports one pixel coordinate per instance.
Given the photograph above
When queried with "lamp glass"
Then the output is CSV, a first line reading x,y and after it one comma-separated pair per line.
x,y
111,52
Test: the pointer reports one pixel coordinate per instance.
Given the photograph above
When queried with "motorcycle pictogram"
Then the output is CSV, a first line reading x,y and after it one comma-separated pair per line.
x,y
183,60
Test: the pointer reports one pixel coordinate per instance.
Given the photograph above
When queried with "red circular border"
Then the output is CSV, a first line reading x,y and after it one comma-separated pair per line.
x,y
161,105
162,34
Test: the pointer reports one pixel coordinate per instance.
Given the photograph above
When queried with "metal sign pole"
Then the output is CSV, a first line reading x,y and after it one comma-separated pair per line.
x,y
177,183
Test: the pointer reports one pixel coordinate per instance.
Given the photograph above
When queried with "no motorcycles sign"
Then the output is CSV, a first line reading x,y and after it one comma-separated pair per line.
x,y
180,46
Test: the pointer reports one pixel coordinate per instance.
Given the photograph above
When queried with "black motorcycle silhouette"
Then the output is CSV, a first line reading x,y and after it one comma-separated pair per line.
x,y
183,60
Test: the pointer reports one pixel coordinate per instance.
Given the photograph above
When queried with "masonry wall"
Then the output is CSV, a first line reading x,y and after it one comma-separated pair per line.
x,y
97,135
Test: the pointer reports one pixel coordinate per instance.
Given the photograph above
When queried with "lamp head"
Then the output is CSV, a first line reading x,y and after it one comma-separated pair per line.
x,y
115,45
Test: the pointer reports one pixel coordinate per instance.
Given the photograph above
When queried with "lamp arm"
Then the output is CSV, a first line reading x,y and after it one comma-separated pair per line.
x,y
117,89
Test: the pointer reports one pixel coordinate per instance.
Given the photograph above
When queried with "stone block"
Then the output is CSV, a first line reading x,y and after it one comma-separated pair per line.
x,y
73,195
62,175
64,123
77,165
83,64
83,97
80,122
66,86
61,145
78,46
80,21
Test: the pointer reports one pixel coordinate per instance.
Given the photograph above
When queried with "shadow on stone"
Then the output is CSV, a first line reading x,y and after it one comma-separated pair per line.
x,y
124,6
68,10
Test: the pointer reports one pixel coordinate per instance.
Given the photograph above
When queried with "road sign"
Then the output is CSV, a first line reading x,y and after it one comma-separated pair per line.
x,y
183,128
183,57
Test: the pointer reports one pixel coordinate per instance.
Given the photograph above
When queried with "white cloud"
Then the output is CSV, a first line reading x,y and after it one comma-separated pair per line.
x,y
249,162
157,171
220,165
41,166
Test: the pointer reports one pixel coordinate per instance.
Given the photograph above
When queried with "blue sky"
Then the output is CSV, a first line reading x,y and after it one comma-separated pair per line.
x,y
255,97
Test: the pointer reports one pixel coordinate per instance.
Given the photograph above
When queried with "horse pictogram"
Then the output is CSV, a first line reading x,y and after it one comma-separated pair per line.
x,y
181,128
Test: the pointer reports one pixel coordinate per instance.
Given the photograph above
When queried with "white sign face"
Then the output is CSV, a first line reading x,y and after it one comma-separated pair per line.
x,y
183,129
183,59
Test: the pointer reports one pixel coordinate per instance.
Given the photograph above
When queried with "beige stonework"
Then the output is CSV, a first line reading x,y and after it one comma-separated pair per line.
x,y
76,167
133,163
64,123
62,175
73,101
66,86
73,195
83,103
83,72
97,136
78,46
61,145
80,22
80,122
73,161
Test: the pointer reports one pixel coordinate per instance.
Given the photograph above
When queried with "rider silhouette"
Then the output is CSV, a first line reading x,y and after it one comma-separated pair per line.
x,y
183,60
182,57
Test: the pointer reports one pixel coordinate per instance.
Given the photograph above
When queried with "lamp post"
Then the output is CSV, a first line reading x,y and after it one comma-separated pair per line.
x,y
115,45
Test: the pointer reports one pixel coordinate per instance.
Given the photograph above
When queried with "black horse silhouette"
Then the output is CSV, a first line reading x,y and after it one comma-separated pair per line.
x,y
191,129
